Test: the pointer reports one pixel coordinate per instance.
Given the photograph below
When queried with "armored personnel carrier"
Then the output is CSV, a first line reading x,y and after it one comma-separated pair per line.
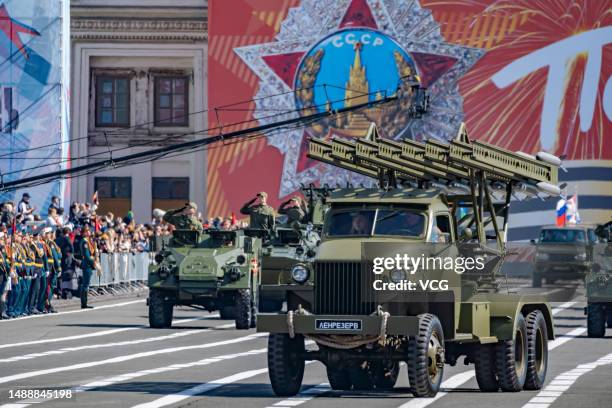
x,y
599,285
435,198
213,270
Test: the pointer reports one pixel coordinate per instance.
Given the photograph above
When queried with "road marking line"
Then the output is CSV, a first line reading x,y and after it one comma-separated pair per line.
x,y
73,311
102,345
128,357
99,333
130,376
459,379
545,397
303,396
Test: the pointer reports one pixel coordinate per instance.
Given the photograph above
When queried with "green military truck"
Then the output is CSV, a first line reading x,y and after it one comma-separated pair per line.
x,y
563,253
213,270
599,285
432,192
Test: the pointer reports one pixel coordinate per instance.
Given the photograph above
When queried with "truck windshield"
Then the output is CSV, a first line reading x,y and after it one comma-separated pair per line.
x,y
403,222
562,235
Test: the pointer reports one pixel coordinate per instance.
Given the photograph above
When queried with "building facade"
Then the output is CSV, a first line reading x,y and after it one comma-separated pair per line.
x,y
139,82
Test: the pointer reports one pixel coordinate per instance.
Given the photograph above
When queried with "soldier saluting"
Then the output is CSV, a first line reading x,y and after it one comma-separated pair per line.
x,y
184,217
295,209
261,214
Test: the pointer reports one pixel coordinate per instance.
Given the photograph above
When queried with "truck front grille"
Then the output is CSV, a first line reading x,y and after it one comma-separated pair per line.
x,y
340,289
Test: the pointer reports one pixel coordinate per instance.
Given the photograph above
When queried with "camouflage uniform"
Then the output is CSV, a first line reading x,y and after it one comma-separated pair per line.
x,y
183,221
262,215
296,213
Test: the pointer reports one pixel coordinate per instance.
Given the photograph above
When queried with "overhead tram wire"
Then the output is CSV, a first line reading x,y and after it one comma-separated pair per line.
x,y
189,145
192,133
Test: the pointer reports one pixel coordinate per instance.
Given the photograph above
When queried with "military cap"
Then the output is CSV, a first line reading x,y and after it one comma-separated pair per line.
x,y
262,194
192,205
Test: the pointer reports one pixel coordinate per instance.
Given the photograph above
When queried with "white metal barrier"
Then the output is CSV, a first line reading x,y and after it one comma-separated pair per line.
x,y
122,268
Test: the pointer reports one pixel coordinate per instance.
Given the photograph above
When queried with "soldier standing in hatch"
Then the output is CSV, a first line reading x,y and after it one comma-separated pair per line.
x,y
184,218
261,214
295,209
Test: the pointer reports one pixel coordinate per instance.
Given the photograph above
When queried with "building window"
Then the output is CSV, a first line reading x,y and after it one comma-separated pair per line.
x,y
170,192
115,195
171,101
112,101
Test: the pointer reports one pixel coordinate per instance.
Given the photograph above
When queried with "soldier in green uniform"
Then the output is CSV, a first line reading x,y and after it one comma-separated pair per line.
x,y
55,267
295,209
88,260
184,218
262,215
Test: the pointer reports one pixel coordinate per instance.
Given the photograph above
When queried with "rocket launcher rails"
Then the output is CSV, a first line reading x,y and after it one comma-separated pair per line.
x,y
457,162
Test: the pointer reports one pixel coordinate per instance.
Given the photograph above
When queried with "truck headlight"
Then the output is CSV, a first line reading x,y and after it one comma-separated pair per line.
x,y
542,257
581,257
398,275
300,273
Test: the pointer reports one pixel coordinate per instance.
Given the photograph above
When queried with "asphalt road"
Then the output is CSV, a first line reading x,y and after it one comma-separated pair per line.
x,y
112,359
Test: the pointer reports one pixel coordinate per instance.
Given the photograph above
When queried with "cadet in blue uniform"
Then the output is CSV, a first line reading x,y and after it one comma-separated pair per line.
x,y
87,264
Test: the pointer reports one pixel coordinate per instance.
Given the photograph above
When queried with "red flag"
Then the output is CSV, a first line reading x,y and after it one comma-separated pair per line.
x,y
97,224
94,198
234,219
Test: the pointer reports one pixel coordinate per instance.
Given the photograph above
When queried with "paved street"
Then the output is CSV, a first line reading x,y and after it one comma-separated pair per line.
x,y
114,360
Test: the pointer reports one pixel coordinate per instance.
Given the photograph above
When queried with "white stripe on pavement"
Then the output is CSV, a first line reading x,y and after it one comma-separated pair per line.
x,y
128,357
73,311
563,382
104,345
99,333
459,379
200,389
303,396
130,376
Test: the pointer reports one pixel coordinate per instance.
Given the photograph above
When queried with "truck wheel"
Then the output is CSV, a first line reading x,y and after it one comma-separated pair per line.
x,y
426,357
243,309
160,310
596,320
285,364
385,374
609,318
511,359
537,350
484,363
536,280
339,378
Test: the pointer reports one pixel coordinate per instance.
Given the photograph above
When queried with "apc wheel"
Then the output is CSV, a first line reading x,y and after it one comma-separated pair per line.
x,y
160,310
243,309
484,362
596,320
537,350
536,280
426,357
511,359
285,364
385,374
339,378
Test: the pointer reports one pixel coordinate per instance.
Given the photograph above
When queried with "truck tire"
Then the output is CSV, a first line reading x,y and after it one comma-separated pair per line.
x,y
339,378
426,357
243,309
596,320
484,365
536,280
285,364
537,350
160,310
511,358
385,374
609,309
